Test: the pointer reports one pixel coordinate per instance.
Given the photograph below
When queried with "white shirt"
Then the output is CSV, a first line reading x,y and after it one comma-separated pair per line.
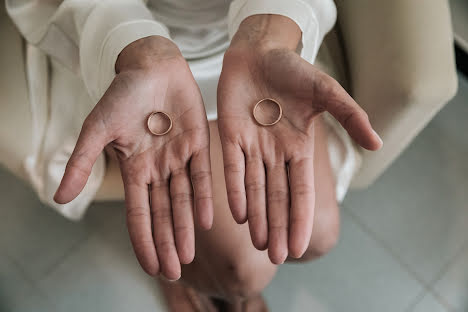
x,y
73,46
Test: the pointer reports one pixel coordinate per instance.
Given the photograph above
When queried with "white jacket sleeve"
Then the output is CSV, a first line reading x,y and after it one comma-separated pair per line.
x,y
86,36
314,17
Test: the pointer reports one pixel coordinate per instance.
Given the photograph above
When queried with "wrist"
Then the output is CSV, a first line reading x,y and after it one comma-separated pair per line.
x,y
266,32
146,53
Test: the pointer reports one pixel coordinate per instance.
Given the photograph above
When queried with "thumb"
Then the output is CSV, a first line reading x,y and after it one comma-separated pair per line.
x,y
350,115
90,144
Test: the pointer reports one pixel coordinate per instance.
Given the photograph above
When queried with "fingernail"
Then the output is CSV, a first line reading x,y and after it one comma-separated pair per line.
x,y
378,137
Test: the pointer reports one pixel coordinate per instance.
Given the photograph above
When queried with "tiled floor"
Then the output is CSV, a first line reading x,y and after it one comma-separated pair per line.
x,y
404,244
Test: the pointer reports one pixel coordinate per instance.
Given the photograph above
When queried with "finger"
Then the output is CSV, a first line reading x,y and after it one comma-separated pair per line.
x,y
200,172
139,226
162,229
278,211
90,144
256,201
352,117
234,173
301,217
182,214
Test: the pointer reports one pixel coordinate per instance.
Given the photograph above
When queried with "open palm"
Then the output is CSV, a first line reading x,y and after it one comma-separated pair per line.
x,y
165,177
269,170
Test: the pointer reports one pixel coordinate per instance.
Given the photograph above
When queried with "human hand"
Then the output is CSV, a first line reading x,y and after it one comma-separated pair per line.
x,y
269,170
164,177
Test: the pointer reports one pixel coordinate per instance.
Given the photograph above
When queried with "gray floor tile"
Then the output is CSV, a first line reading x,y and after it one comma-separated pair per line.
x,y
103,275
17,293
419,206
359,275
453,285
429,304
36,236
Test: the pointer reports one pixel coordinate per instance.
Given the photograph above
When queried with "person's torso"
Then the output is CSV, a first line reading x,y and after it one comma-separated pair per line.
x,y
199,27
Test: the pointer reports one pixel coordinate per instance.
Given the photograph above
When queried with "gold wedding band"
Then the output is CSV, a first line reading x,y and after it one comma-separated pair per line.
x,y
277,119
165,116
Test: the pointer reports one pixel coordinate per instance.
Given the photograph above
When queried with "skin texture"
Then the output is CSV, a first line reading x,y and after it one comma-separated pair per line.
x,y
270,170
226,264
165,178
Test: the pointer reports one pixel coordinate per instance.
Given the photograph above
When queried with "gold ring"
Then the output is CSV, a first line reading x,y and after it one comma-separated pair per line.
x,y
277,119
166,116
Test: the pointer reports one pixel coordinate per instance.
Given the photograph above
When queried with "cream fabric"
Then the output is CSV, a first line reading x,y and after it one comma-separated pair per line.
x,y
401,67
71,52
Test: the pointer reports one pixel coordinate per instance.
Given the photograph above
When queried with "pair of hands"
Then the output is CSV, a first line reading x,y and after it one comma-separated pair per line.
x,y
269,171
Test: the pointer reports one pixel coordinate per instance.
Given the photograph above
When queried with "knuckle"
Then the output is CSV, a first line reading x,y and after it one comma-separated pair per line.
x,y
201,176
235,193
347,119
256,215
254,160
74,164
179,172
329,86
140,246
95,124
278,227
302,189
199,200
300,147
233,168
255,186
159,184
162,215
278,221
164,246
182,198
88,123
137,212
300,220
277,163
183,228
298,224
278,196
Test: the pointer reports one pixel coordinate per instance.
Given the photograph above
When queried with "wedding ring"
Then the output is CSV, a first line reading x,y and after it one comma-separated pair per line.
x,y
165,116
255,109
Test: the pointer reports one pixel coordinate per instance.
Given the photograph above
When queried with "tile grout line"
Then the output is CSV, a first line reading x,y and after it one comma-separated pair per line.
x,y
446,267
442,300
65,255
417,300
450,263
394,255
88,235
31,281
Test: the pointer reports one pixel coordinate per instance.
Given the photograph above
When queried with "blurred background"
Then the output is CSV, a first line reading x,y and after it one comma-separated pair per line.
x,y
403,246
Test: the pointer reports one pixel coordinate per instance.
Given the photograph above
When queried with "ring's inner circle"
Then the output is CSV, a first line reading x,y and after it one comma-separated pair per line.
x,y
267,112
159,123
